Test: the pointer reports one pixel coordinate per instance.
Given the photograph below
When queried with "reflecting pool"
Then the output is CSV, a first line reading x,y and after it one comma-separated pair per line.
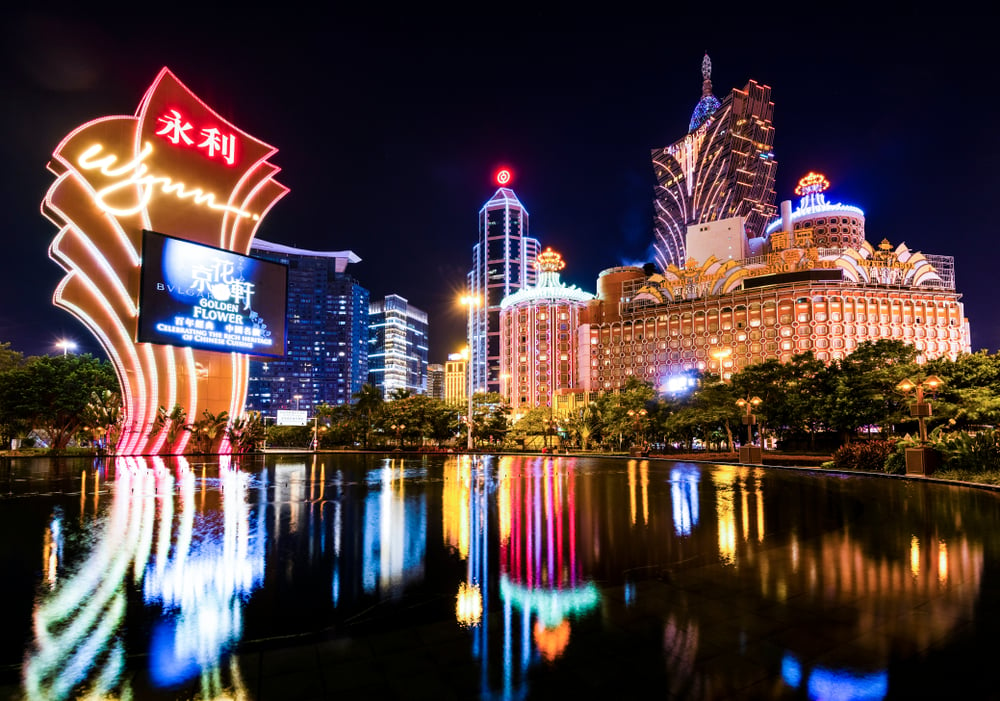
x,y
367,576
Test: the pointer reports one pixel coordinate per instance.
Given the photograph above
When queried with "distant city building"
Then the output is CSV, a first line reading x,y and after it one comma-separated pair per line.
x,y
502,263
722,169
539,344
819,286
397,346
326,357
455,378
435,381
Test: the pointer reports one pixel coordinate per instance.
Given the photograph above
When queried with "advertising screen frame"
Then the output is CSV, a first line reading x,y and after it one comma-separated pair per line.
x,y
161,308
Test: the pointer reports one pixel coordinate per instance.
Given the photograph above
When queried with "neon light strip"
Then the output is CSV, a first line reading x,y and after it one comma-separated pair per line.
x,y
145,181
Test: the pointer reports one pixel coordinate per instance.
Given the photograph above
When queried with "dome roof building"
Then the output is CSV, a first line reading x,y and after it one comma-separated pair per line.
x,y
539,353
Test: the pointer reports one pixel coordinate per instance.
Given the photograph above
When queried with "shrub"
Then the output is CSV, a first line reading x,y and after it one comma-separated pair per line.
x,y
978,452
864,455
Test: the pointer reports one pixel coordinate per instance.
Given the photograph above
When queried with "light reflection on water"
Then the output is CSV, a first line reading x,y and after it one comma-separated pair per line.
x,y
152,575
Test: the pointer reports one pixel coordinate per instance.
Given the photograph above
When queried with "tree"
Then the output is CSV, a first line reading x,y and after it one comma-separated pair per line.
x,y
863,386
175,423
246,432
51,393
102,419
368,402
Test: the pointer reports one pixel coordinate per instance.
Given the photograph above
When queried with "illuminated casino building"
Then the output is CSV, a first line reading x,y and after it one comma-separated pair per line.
x,y
538,334
397,346
721,171
820,287
502,263
327,334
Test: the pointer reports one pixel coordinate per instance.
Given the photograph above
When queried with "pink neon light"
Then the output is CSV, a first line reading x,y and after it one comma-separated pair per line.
x,y
503,176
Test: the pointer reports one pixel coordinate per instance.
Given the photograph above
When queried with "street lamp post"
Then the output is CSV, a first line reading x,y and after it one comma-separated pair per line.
x,y
66,345
750,454
922,460
470,301
296,397
398,428
636,416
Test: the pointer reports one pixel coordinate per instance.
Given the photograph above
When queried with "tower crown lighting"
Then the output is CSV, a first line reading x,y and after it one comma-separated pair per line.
x,y
549,261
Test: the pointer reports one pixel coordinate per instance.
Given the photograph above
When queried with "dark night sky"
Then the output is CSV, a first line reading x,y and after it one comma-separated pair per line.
x,y
389,130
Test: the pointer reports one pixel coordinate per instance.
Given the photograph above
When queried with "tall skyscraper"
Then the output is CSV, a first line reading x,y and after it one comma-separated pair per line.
x,y
503,262
397,346
326,358
723,168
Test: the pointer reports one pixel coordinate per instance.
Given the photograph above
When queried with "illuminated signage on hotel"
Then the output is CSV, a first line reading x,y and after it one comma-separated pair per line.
x,y
194,295
179,168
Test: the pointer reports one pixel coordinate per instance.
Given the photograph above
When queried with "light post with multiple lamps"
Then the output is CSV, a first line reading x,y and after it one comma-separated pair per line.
x,y
636,417
398,428
750,454
470,301
66,345
922,460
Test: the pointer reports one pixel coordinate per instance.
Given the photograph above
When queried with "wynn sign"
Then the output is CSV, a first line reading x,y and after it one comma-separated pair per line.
x,y
156,213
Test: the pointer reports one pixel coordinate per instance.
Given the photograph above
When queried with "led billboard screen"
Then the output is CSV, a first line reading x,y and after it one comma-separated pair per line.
x,y
209,298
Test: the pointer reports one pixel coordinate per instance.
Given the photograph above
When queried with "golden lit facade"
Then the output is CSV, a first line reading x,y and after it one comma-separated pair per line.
x,y
721,316
455,378
539,348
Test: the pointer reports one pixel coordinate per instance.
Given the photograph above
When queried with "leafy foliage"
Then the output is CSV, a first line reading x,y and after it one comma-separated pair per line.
x,y
869,455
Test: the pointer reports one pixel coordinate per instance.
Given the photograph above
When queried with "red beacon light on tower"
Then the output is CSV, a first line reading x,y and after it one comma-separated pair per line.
x,y
503,176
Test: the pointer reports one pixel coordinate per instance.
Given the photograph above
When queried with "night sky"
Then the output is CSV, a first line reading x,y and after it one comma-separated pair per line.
x,y
389,130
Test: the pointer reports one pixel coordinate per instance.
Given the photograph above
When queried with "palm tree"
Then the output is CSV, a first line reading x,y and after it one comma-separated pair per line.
x,y
368,402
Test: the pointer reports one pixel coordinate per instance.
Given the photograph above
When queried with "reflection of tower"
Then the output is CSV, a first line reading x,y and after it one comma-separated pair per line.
x,y
541,580
502,262
723,168
395,535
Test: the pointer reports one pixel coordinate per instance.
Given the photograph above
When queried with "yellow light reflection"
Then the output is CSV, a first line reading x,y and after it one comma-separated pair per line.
x,y
631,489
942,562
914,556
468,605
725,513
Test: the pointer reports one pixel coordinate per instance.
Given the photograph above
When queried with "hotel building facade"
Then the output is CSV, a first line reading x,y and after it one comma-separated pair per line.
x,y
326,354
397,346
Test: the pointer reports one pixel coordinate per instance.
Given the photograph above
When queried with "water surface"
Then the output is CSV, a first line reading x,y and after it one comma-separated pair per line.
x,y
364,576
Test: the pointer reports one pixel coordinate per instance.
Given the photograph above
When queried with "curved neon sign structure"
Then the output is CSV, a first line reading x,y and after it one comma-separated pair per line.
x,y
175,167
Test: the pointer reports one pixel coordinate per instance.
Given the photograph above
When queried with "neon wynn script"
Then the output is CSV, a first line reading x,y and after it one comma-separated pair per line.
x,y
136,174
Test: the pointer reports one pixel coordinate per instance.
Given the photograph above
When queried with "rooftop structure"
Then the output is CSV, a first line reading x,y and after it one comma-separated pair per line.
x,y
723,168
